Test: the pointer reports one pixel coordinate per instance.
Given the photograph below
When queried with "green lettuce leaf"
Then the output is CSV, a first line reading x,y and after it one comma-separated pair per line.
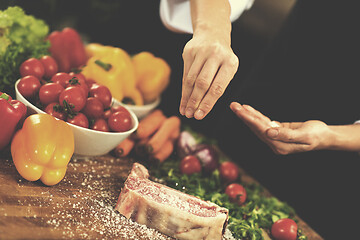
x,y
22,36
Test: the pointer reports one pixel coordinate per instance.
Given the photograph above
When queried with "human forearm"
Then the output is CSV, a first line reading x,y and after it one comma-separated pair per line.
x,y
209,61
291,137
344,137
211,15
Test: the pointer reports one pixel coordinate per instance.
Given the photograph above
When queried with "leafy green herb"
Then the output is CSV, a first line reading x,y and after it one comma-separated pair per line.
x,y
21,37
245,222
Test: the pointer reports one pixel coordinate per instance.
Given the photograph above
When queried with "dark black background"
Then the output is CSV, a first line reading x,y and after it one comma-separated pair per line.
x,y
309,73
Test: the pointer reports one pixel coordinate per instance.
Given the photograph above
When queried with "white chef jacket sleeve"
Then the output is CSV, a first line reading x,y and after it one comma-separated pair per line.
x,y
175,14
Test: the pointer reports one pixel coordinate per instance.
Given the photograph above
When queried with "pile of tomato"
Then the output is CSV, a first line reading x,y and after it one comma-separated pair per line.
x,y
71,97
229,172
282,229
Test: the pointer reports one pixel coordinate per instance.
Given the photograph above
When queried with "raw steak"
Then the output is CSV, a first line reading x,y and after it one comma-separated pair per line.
x,y
171,212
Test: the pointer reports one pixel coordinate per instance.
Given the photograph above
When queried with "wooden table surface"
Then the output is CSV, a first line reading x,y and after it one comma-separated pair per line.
x,y
81,206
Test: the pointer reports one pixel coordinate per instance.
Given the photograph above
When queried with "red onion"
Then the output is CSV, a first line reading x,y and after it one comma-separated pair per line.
x,y
208,157
186,144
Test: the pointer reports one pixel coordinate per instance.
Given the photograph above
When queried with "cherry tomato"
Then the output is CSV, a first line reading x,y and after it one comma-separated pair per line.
x,y
120,121
54,109
236,193
100,124
190,164
119,108
79,76
284,229
62,78
33,67
79,120
50,66
50,92
93,108
102,93
78,80
106,114
29,86
74,97
90,82
229,171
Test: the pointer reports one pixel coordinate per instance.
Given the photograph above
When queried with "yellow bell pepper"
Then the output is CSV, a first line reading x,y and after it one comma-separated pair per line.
x,y
152,75
42,149
112,67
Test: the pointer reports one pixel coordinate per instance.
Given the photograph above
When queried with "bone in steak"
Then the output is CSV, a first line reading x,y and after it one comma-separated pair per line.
x,y
171,212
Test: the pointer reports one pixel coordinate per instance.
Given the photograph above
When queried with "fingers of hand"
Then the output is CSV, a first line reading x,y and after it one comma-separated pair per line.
x,y
215,91
285,140
206,79
284,148
255,120
202,85
287,135
188,80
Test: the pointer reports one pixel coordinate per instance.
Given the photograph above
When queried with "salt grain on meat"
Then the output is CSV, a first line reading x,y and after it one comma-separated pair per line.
x,y
169,211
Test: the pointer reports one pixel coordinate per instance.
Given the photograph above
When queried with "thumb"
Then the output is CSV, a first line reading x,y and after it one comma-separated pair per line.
x,y
285,135
272,133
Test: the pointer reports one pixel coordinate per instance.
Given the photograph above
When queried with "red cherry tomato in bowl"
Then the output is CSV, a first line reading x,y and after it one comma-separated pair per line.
x,y
79,120
74,97
50,92
106,114
54,109
29,86
236,193
50,66
62,78
33,67
78,80
93,108
100,124
120,121
90,82
190,164
284,229
102,93
118,108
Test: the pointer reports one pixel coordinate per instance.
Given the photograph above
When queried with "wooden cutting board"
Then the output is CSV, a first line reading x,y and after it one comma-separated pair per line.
x,y
81,206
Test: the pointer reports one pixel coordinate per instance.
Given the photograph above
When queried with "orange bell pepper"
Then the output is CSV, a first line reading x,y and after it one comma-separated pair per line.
x,y
152,75
42,149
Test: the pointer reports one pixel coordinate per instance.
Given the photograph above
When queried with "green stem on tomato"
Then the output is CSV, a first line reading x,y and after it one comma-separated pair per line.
x,y
74,81
68,109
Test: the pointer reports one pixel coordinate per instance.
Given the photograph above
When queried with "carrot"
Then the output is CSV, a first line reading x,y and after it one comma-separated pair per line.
x,y
169,126
164,152
150,124
125,147
175,134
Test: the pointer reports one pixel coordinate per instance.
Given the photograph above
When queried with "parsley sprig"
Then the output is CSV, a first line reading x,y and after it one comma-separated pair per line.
x,y
247,222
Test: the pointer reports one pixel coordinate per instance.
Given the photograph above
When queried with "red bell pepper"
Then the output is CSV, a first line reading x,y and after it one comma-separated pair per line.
x,y
67,49
12,112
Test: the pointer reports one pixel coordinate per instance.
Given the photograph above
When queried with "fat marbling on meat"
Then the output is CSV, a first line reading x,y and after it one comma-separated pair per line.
x,y
169,211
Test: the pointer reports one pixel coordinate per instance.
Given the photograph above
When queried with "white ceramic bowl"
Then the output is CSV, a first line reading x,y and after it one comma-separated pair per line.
x,y
88,142
140,111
